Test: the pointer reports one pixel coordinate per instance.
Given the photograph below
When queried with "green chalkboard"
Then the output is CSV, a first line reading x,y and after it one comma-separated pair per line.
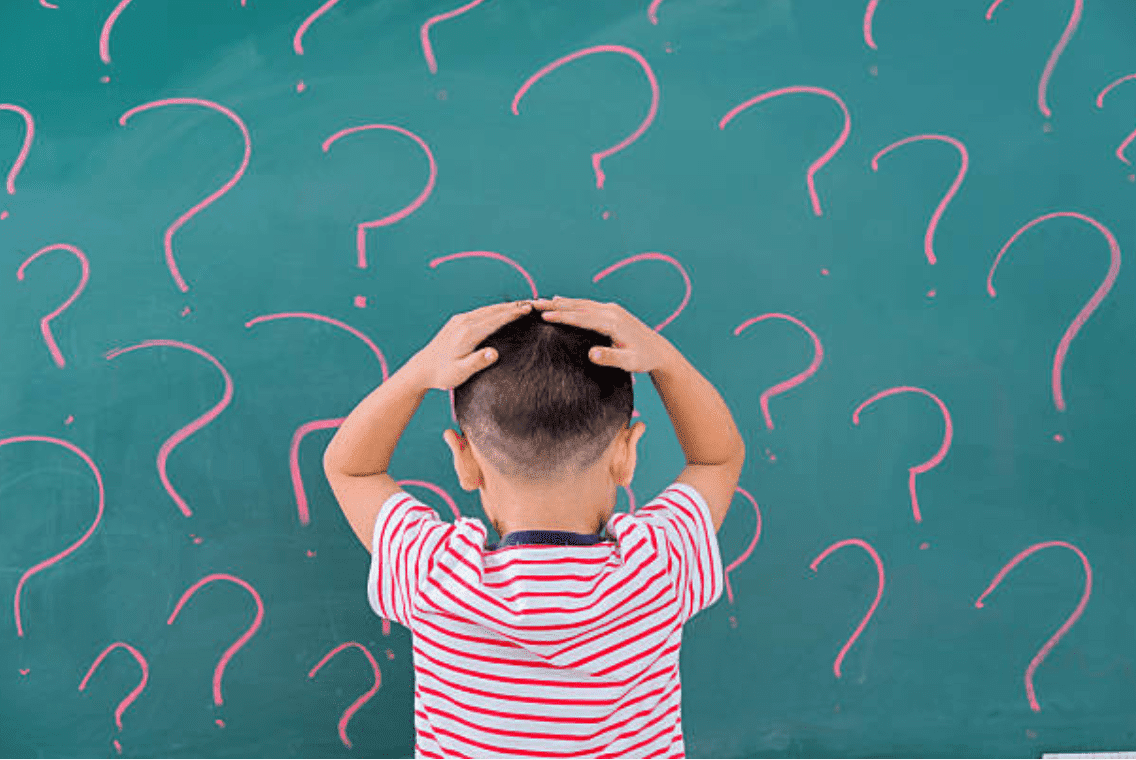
x,y
186,393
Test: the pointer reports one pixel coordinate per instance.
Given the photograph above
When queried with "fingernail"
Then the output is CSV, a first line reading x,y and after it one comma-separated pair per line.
x,y
489,354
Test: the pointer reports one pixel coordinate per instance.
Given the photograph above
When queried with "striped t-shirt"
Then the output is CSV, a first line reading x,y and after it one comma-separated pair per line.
x,y
544,650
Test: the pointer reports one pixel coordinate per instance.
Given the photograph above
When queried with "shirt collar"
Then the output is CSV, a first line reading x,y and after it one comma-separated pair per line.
x,y
548,537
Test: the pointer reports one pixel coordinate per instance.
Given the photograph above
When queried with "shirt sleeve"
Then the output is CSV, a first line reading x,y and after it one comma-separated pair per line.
x,y
407,536
680,517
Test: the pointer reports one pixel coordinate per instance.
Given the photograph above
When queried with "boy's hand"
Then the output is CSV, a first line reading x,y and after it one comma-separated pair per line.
x,y
448,360
635,346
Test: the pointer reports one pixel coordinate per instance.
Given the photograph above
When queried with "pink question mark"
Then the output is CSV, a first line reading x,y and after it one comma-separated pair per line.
x,y
1100,104
1048,646
29,135
1070,27
652,256
485,255
309,427
45,322
82,539
597,158
869,15
184,218
424,32
934,461
1086,311
827,155
653,11
875,602
133,695
793,382
175,439
364,697
361,229
46,4
298,39
748,550
108,25
929,236
219,671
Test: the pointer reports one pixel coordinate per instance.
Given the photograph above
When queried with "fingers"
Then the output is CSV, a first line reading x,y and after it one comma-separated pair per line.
x,y
610,357
589,319
488,318
477,361
560,302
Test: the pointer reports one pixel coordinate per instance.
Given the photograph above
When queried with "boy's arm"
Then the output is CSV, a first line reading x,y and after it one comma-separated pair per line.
x,y
357,458
714,449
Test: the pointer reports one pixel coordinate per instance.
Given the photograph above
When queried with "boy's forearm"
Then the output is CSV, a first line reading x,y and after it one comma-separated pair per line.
x,y
366,440
702,421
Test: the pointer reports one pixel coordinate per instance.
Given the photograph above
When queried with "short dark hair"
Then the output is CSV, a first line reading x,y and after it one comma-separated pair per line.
x,y
543,409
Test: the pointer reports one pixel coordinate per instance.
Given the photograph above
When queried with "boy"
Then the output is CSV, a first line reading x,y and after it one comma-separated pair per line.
x,y
563,639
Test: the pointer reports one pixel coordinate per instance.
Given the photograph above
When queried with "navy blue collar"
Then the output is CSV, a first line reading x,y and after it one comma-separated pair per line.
x,y
548,537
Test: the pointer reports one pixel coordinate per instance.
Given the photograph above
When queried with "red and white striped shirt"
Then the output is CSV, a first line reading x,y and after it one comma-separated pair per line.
x,y
543,650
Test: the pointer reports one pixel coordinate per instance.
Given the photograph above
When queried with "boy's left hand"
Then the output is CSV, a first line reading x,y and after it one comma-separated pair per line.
x,y
449,360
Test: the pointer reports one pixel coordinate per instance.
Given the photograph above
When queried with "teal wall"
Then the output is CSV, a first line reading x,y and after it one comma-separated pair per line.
x,y
930,673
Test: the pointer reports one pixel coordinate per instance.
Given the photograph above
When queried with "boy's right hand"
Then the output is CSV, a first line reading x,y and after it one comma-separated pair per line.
x,y
635,346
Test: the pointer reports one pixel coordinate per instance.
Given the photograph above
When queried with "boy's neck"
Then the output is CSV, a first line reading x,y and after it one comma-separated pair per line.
x,y
574,509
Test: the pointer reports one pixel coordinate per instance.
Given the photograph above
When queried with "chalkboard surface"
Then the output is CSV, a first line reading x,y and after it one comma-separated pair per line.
x,y
891,233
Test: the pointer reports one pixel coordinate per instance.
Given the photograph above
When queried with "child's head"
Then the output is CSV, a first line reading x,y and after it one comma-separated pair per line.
x,y
543,412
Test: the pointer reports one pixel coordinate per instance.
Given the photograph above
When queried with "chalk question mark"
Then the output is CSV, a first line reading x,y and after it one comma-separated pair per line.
x,y
45,321
875,602
1048,646
167,240
298,39
219,670
827,155
652,256
485,255
170,443
361,229
929,235
597,158
424,32
108,26
795,380
82,539
309,427
133,695
22,156
364,697
1051,63
745,554
1100,104
869,16
1086,311
944,446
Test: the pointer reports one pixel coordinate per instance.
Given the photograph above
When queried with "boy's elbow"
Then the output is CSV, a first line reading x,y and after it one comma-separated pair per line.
x,y
740,450
330,465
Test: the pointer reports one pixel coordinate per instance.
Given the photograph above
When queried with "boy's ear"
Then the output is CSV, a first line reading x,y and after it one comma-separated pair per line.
x,y
623,466
466,467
